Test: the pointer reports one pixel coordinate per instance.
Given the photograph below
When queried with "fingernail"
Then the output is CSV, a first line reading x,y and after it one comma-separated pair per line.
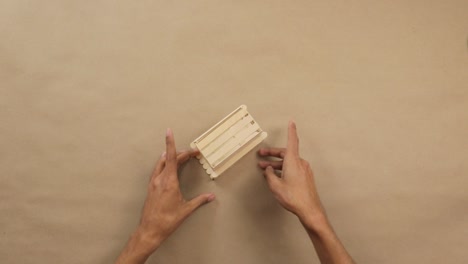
x,y
168,132
163,154
211,197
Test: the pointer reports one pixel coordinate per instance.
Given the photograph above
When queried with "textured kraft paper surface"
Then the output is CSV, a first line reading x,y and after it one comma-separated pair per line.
x,y
378,90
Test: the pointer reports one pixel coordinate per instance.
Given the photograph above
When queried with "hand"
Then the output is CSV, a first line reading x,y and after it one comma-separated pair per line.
x,y
165,208
295,190
294,187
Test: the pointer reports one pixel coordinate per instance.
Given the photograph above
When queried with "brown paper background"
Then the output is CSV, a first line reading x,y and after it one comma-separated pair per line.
x,y
378,90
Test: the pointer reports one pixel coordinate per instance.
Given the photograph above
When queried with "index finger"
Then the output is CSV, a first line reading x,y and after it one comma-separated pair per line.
x,y
293,140
171,155
184,156
273,152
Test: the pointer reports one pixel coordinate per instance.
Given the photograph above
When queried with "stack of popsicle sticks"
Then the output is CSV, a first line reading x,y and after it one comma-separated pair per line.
x,y
228,141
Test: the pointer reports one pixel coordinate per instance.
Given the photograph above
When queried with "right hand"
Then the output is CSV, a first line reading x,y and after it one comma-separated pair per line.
x,y
294,187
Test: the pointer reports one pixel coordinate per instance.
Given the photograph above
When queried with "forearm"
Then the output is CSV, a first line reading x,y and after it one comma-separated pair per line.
x,y
137,250
328,246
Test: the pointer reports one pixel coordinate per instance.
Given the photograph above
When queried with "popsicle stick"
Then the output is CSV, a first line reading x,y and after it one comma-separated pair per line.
x,y
228,141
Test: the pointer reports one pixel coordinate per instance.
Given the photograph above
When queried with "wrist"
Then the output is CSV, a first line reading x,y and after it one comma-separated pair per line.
x,y
314,222
139,247
145,242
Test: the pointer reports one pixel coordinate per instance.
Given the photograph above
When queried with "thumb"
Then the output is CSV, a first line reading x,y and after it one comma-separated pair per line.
x,y
200,200
272,179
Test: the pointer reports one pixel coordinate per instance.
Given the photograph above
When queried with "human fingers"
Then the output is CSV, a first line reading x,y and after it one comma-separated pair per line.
x,y
160,165
293,140
273,152
182,157
277,164
274,182
185,155
198,201
171,155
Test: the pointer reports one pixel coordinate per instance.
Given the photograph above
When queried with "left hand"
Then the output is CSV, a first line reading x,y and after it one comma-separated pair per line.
x,y
165,208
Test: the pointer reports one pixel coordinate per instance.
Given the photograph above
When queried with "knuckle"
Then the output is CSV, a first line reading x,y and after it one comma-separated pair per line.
x,y
155,183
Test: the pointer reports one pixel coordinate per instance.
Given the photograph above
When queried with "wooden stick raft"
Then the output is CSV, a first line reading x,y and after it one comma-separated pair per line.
x,y
228,141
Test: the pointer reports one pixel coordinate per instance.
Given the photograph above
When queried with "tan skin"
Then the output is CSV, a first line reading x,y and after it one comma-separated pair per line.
x,y
165,208
294,187
295,190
